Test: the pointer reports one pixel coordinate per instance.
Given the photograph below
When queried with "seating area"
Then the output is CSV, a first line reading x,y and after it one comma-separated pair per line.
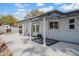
x,y
49,42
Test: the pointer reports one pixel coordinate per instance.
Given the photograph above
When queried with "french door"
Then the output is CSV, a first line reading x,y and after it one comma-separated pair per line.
x,y
35,29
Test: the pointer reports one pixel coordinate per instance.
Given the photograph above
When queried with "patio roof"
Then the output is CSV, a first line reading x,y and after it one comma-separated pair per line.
x,y
55,14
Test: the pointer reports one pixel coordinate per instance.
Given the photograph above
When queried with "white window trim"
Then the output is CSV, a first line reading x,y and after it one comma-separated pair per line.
x,y
71,30
35,26
72,23
53,25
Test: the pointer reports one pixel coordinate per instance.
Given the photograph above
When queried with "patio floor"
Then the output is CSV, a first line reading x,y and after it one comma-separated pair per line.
x,y
67,48
49,42
19,47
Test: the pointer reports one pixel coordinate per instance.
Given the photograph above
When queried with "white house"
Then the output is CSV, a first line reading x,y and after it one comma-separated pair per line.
x,y
8,29
54,25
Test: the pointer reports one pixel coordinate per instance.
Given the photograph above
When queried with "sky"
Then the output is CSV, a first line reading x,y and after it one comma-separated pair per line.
x,y
19,10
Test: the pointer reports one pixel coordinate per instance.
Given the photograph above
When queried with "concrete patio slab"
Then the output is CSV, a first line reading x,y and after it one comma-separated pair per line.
x,y
17,46
67,48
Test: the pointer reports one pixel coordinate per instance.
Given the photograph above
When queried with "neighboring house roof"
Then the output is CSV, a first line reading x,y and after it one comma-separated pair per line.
x,y
73,12
53,12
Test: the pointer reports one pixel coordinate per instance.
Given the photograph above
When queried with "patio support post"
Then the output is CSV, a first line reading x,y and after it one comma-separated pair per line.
x,y
30,31
22,29
44,37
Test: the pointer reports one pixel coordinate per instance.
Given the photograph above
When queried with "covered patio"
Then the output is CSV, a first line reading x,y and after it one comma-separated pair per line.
x,y
43,17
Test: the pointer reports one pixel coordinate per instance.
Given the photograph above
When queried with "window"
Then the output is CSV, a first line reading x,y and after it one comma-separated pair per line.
x,y
20,29
20,26
33,28
7,26
27,28
72,24
53,25
72,21
37,28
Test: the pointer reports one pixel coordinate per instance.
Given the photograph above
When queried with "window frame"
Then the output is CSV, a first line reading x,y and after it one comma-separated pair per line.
x,y
72,23
36,30
50,26
37,27
54,25
54,28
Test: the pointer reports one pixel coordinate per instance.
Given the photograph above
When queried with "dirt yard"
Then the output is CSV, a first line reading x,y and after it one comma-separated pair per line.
x,y
4,50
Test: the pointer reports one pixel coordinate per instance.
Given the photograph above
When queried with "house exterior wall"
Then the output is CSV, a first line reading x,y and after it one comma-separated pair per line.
x,y
62,33
25,27
3,29
14,29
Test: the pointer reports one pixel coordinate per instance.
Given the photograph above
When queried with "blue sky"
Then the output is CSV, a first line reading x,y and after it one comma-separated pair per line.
x,y
19,10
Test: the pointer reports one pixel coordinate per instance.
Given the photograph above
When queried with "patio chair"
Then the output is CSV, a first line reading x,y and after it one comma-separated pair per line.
x,y
39,36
